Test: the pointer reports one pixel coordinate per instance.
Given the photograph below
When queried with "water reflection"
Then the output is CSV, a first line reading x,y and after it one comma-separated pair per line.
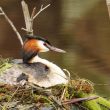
x,y
81,29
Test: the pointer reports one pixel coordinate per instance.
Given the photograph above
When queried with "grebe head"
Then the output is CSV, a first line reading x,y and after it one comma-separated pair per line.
x,y
35,44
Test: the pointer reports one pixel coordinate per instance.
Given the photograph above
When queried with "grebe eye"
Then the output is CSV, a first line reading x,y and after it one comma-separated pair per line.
x,y
45,43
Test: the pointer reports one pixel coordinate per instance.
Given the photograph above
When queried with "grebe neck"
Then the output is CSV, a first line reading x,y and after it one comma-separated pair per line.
x,y
35,59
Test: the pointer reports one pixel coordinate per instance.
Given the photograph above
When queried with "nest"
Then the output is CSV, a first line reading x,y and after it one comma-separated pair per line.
x,y
58,96
77,94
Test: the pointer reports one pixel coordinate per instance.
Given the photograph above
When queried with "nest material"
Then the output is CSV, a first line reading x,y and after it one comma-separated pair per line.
x,y
4,64
77,94
58,97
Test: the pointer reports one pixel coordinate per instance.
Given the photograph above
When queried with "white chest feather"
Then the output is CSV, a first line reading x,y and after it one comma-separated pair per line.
x,y
55,75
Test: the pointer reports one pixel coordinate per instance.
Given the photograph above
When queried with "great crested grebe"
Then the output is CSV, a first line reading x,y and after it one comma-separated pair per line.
x,y
34,69
48,74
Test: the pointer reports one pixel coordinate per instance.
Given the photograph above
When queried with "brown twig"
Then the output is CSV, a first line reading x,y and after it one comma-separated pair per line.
x,y
41,9
12,25
4,107
32,15
30,19
108,6
1,14
80,100
27,18
33,12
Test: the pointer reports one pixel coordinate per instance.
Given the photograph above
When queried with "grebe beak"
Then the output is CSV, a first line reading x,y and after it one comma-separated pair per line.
x,y
52,48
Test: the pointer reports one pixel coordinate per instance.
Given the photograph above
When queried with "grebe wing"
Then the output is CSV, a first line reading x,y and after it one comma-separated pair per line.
x,y
38,73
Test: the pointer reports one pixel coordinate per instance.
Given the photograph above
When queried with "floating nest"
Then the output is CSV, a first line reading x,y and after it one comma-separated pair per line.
x,y
78,94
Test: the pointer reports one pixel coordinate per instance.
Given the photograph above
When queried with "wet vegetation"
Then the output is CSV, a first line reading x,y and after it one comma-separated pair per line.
x,y
78,94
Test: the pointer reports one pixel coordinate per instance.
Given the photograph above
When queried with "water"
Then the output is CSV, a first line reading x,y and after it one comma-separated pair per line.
x,y
80,28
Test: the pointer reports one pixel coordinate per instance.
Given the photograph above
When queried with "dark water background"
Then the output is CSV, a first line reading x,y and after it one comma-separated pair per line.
x,y
81,27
